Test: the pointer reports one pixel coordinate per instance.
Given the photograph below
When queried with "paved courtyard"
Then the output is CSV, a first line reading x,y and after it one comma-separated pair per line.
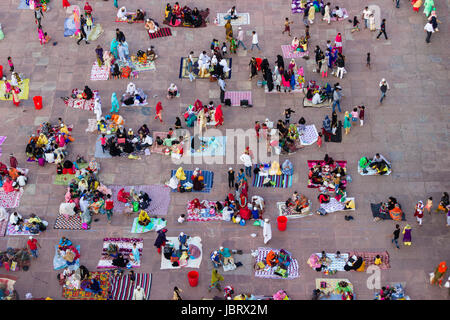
x,y
410,129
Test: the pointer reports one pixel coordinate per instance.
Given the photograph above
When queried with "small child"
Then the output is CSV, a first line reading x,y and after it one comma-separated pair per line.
x,y
319,140
355,24
329,46
287,27
12,161
170,132
361,115
307,36
230,177
429,204
287,115
181,218
103,142
88,22
109,206
354,114
378,261
338,254
368,60
11,64
257,128
224,49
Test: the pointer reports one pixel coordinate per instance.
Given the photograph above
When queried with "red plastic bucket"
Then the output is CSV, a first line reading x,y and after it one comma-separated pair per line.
x,y
37,102
193,278
282,223
1,71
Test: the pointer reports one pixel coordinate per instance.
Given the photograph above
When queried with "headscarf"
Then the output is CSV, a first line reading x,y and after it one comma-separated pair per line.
x,y
159,107
218,115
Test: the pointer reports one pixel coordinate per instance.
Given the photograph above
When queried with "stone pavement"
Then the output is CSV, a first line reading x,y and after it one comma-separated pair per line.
x,y
410,129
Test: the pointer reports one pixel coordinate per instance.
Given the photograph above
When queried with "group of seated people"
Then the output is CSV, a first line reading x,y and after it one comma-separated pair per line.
x,y
123,68
379,164
317,94
176,16
67,251
181,183
110,123
12,179
33,224
124,15
127,143
289,136
73,279
328,175
278,262
50,143
133,96
299,44
214,66
179,257
171,144
151,26
392,209
136,202
222,257
197,111
299,203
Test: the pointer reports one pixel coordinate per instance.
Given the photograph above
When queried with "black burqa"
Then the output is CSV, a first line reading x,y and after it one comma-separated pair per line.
x,y
267,74
280,62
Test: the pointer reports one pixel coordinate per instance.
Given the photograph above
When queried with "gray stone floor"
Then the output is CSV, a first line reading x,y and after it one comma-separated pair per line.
x,y
410,128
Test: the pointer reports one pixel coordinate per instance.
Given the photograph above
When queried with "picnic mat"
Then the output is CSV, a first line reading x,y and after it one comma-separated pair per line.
x,y
154,225
24,90
205,151
82,104
192,263
92,126
148,66
23,5
295,6
337,264
99,73
98,148
162,32
4,226
308,103
293,271
207,214
312,163
184,74
369,258
133,15
11,231
309,136
207,175
10,199
2,139
71,223
338,136
335,206
155,148
203,13
94,33
372,172
60,263
281,181
122,288
290,213
160,195
331,285
375,207
237,96
125,245
243,18
289,53
344,11
64,179
80,294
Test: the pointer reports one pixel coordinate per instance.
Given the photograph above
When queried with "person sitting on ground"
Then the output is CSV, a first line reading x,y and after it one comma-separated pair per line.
x,y
122,14
215,259
151,55
226,256
151,26
272,258
139,15
172,91
87,93
378,158
120,261
143,219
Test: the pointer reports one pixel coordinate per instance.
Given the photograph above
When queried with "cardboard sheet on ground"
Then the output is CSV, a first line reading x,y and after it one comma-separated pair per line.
x,y
192,263
243,18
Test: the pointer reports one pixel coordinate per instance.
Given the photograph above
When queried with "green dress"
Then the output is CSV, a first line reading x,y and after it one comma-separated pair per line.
x,y
429,6
347,123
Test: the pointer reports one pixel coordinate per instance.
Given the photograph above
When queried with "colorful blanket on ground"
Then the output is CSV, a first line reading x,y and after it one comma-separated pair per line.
x,y
237,96
80,294
331,286
309,136
71,223
23,5
147,66
345,16
82,104
371,172
369,258
203,13
312,163
268,273
243,18
289,53
191,262
24,90
155,148
281,181
99,73
64,179
184,74
337,264
162,32
208,151
290,213
208,179
2,139
92,126
125,246
10,199
375,207
60,263
154,225
207,214
11,231
4,225
160,195
122,288
335,206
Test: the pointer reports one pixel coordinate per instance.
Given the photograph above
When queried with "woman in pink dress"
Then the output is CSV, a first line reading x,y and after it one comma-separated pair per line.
x,y
338,42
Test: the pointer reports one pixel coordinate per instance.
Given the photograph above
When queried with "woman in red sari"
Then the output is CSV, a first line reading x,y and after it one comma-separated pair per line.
x,y
87,8
176,9
218,116
159,109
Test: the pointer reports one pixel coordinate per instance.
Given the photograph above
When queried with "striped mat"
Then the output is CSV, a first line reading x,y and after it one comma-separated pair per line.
x,y
4,226
163,32
237,96
293,271
122,289
369,258
288,53
207,175
281,181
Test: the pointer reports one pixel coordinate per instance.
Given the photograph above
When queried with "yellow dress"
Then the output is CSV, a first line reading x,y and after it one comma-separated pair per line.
x,y
311,13
275,169
180,174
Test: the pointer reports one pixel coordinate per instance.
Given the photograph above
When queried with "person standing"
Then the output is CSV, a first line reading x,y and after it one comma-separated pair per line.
x,y
361,115
33,246
396,235
247,160
99,53
240,38
82,36
109,206
190,68
384,87
338,42
366,14
407,238
418,213
159,110
340,62
257,128
311,14
287,26
139,294
368,60
11,64
38,15
337,95
216,277
383,30
305,16
443,204
65,4
13,161
429,204
429,30
327,13
347,122
160,240
176,294
267,231
222,86
230,177
255,41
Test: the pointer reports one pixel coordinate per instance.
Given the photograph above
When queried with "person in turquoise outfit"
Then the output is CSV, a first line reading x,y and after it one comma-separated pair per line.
x,y
113,48
114,103
347,122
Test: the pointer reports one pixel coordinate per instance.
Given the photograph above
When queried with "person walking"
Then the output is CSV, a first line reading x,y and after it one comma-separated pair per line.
x,y
396,235
418,213
340,62
365,15
327,13
305,16
287,26
429,204
82,36
311,14
38,15
257,129
407,238
99,54
109,207
33,246
368,60
384,87
176,294
429,30
267,231
159,110
190,67
222,86
240,38
11,64
255,41
361,115
443,204
247,160
347,122
383,30
139,294
337,95
230,177
216,277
